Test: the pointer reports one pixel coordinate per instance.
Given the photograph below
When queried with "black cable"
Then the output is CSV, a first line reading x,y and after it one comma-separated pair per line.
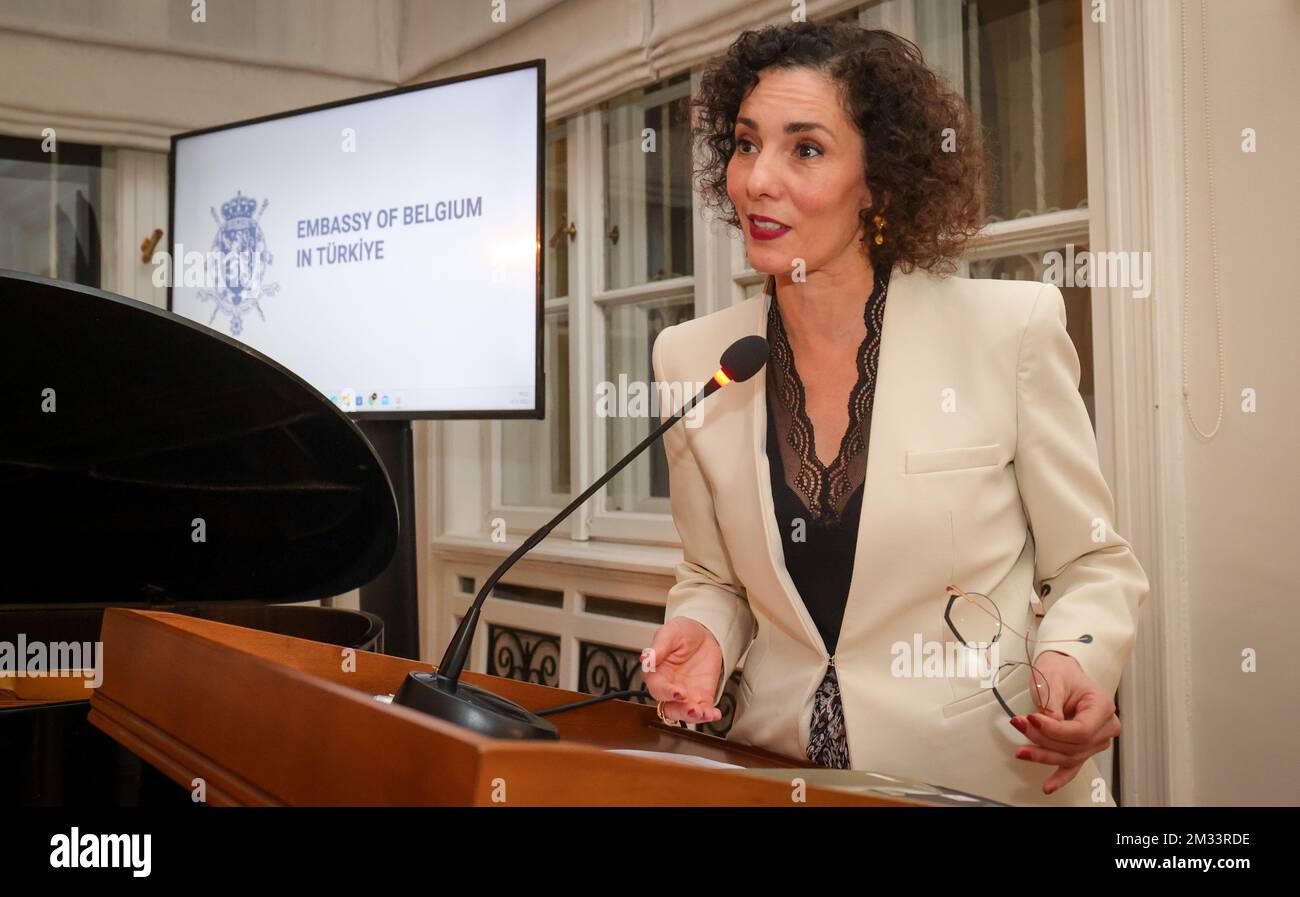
x,y
564,708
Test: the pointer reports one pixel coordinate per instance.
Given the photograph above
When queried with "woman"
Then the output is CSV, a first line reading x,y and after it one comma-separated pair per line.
x,y
911,431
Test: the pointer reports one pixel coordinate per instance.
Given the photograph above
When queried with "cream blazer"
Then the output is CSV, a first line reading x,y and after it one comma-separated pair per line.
x,y
982,471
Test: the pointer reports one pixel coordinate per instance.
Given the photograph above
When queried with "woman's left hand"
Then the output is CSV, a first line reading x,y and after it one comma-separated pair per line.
x,y
1078,722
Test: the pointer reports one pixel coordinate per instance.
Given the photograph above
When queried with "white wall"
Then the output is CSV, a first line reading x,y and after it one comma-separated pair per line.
x,y
1243,486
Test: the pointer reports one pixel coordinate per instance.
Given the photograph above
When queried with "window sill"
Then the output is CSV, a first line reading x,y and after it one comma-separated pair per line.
x,y
652,560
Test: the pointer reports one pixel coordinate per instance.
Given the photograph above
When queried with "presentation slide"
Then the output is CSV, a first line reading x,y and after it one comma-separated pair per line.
x,y
384,250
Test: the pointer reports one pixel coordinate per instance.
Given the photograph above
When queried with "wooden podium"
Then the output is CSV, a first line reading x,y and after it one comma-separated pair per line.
x,y
269,720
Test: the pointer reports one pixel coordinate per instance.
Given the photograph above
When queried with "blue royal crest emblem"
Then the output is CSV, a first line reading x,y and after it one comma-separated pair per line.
x,y
242,259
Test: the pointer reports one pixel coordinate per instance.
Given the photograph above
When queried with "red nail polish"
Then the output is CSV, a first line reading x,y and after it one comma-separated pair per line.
x,y
1018,724
1033,720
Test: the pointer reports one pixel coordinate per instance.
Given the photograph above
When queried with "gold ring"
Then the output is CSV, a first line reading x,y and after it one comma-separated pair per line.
x,y
659,710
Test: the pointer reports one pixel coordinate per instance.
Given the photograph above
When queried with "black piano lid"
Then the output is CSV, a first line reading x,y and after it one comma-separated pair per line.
x,y
159,422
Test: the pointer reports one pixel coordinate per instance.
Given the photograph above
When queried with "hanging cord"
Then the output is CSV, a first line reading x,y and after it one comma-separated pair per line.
x,y
1187,226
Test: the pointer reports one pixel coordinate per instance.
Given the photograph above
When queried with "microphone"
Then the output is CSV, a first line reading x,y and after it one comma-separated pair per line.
x,y
441,693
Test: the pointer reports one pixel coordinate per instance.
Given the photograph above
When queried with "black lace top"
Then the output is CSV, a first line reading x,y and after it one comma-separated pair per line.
x,y
817,507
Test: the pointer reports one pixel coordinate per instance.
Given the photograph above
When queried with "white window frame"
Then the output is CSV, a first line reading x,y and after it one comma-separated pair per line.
x,y
588,302
527,518
650,527
722,277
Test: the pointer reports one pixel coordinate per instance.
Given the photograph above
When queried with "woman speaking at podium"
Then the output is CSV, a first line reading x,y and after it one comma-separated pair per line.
x,y
900,523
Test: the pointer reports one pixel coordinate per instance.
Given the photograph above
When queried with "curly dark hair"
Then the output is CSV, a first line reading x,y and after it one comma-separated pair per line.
x,y
932,200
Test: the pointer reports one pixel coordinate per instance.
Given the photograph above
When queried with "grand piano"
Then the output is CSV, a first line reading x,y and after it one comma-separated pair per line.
x,y
149,462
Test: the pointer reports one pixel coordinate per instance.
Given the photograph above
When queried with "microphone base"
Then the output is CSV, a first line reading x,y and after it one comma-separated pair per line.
x,y
473,708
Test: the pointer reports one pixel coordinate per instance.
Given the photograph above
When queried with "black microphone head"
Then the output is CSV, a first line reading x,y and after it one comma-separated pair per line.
x,y
744,358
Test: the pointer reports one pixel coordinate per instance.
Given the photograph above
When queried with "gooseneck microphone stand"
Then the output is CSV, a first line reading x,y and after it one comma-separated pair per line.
x,y
441,693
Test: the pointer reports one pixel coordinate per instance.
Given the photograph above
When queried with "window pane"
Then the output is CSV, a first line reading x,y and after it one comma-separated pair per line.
x,y
52,219
1020,66
535,453
1078,306
630,409
648,219
554,231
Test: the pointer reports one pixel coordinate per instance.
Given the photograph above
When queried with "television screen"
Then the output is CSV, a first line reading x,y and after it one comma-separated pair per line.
x,y
386,249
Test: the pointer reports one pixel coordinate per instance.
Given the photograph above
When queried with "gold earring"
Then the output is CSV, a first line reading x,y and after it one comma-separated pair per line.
x,y
880,230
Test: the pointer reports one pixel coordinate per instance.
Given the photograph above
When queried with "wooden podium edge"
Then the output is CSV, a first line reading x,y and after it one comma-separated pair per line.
x,y
176,674
221,788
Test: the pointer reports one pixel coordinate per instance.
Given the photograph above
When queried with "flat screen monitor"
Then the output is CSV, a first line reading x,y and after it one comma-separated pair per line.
x,y
386,249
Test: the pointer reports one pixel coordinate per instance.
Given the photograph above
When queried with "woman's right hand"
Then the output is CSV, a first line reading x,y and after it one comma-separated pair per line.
x,y
682,669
